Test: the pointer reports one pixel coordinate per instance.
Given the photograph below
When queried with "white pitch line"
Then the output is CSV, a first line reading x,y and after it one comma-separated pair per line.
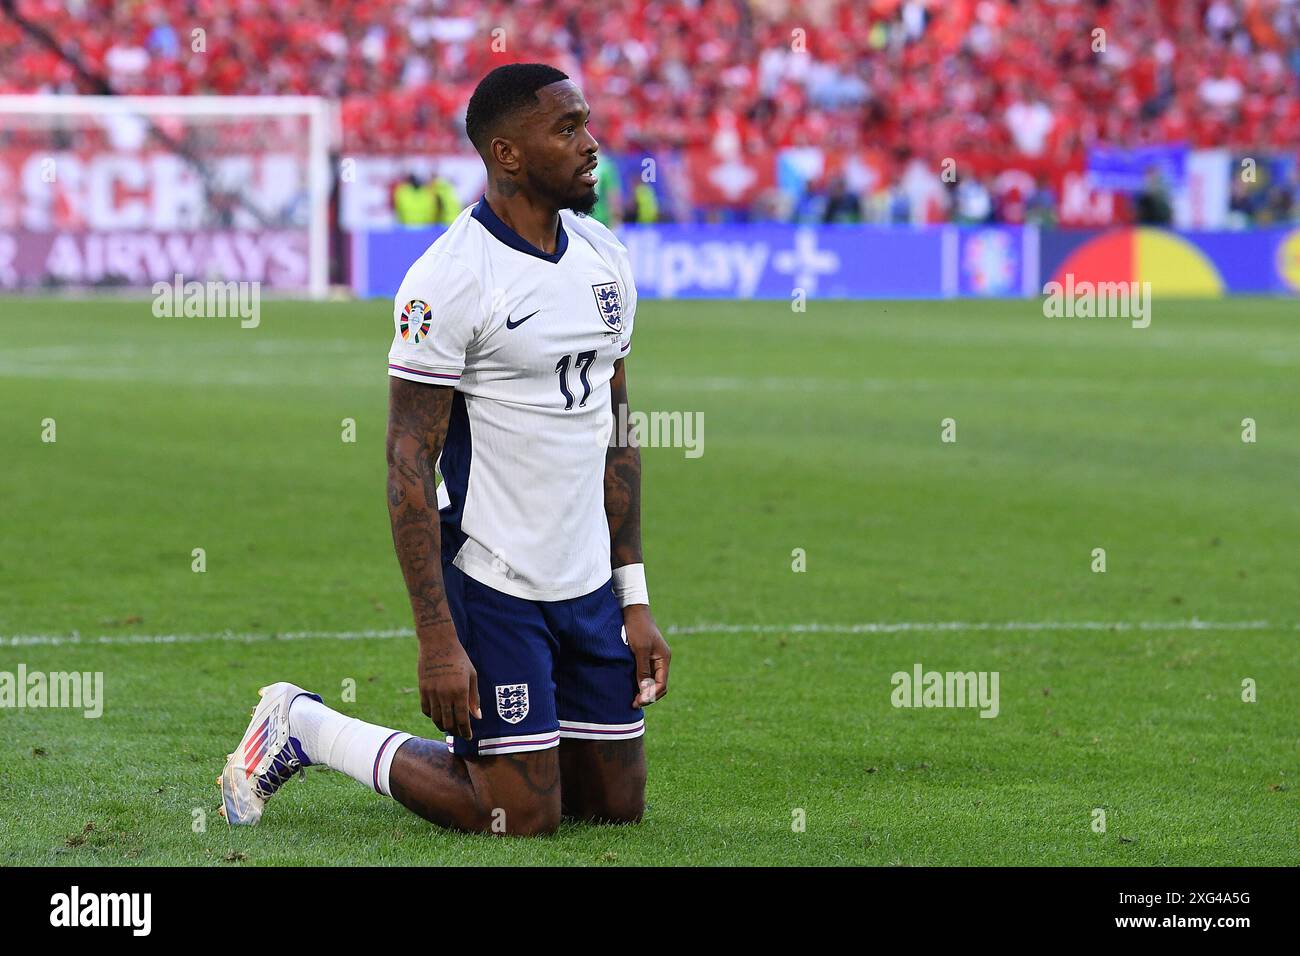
x,y
868,627
230,637
895,627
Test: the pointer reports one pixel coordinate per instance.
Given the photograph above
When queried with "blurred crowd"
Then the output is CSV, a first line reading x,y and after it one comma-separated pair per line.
x,y
913,79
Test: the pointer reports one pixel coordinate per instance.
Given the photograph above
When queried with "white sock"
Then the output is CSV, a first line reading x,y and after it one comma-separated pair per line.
x,y
362,751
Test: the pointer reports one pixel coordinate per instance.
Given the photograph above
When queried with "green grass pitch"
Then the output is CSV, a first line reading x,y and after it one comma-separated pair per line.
x,y
822,433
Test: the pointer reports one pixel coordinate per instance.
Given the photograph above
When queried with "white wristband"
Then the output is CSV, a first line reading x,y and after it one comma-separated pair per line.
x,y
629,585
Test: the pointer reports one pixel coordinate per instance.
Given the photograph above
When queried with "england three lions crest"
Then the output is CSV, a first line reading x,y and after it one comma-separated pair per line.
x,y
610,303
512,702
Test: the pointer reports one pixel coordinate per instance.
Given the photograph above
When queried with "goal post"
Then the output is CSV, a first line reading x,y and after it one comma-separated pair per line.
x,y
125,191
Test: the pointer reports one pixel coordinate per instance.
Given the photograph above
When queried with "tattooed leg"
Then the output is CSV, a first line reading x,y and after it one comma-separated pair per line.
x,y
515,794
603,781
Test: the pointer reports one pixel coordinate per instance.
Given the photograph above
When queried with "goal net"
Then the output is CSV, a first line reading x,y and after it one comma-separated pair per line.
x,y
107,191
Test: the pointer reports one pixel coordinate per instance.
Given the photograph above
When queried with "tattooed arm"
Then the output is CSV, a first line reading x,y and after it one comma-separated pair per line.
x,y
622,482
623,511
417,426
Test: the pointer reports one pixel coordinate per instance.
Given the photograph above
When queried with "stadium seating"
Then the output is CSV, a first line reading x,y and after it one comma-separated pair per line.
x,y
906,78
885,72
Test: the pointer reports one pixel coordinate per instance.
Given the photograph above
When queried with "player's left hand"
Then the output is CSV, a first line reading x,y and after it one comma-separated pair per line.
x,y
651,653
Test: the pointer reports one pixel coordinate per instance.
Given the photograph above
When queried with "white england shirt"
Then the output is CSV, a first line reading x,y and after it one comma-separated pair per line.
x,y
529,342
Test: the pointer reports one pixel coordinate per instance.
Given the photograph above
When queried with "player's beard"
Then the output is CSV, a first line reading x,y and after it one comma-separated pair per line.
x,y
586,202
581,199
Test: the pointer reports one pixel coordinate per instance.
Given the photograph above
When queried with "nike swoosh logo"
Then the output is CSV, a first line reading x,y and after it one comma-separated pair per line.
x,y
515,325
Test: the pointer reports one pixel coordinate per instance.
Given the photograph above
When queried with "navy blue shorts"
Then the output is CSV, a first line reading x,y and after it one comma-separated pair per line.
x,y
546,669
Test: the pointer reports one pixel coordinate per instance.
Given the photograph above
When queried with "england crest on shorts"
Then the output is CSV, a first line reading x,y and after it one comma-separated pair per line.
x,y
610,303
512,702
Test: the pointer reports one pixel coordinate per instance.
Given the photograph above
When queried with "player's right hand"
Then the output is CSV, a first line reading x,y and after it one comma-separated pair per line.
x,y
448,687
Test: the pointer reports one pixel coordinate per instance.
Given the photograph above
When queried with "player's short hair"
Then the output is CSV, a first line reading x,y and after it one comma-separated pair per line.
x,y
501,93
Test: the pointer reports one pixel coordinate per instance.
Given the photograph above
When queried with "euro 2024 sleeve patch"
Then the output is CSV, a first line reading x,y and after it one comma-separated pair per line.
x,y
415,315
